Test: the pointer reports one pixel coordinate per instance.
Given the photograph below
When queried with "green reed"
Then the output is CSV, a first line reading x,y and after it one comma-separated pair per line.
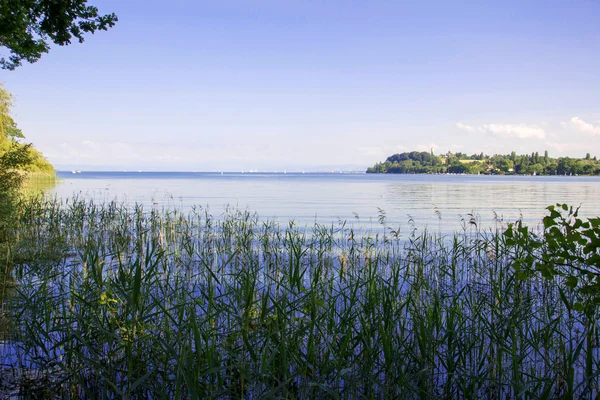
x,y
119,302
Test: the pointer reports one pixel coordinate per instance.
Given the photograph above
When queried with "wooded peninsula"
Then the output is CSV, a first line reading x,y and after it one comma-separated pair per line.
x,y
416,162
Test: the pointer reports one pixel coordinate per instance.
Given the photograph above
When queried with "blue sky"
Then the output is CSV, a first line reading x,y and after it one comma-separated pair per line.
x,y
309,85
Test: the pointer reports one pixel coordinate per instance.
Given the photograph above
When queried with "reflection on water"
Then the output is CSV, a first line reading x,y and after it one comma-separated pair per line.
x,y
359,199
39,183
36,185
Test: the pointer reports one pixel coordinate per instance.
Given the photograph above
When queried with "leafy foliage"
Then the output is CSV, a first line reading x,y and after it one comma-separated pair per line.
x,y
459,163
12,161
16,155
568,249
11,179
409,163
8,126
26,26
16,161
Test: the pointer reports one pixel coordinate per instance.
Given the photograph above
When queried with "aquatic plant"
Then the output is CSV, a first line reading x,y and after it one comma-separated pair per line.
x,y
121,302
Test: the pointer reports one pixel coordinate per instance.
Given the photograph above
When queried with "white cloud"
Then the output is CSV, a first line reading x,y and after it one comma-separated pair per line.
x,y
167,157
372,151
185,156
380,151
571,147
585,127
464,127
520,131
426,147
560,147
89,151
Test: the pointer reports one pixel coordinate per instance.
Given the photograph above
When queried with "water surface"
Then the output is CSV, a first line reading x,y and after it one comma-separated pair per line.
x,y
439,202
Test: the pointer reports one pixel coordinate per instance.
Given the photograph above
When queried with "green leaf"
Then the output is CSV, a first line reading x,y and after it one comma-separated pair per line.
x,y
522,275
571,281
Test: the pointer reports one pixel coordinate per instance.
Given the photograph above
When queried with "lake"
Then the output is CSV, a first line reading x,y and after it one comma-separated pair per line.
x,y
442,203
110,297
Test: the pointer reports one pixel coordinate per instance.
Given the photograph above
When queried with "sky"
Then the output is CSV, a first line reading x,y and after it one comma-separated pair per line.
x,y
314,85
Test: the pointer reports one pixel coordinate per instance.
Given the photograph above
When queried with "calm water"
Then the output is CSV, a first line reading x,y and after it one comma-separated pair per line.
x,y
439,202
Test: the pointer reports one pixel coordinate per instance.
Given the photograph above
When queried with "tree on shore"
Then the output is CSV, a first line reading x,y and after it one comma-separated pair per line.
x,y
509,164
28,26
15,156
